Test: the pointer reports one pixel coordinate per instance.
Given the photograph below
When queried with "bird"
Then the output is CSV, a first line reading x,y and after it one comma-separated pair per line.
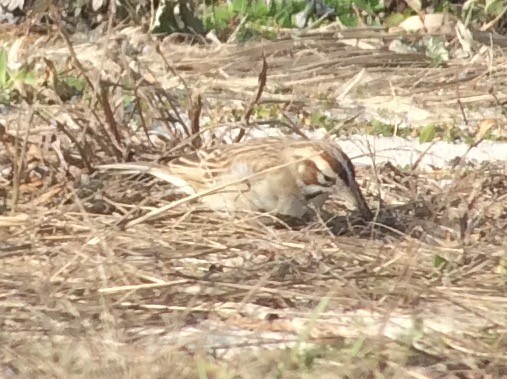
x,y
283,176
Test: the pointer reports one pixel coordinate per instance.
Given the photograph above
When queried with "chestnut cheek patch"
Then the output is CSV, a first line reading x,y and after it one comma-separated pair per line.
x,y
308,172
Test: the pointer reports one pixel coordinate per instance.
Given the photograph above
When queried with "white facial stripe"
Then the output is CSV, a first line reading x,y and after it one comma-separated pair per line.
x,y
324,168
314,189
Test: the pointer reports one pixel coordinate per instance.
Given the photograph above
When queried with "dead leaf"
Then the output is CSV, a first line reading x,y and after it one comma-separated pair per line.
x,y
46,196
13,57
484,127
32,186
432,23
34,153
465,37
415,5
350,85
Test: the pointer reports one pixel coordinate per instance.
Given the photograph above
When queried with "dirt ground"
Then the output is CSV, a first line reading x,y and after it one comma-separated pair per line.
x,y
418,293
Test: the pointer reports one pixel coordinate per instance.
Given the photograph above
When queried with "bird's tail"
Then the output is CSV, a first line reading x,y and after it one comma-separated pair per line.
x,y
160,172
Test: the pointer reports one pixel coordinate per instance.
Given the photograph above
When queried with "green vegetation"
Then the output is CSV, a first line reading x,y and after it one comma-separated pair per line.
x,y
254,16
482,11
379,128
428,133
76,82
13,82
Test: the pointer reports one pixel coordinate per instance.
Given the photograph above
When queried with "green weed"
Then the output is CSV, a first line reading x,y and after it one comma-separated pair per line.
x,y
13,82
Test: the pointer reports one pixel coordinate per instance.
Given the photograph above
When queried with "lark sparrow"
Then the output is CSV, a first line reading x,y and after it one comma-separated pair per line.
x,y
281,176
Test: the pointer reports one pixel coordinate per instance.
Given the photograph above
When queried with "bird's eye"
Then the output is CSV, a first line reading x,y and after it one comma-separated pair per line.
x,y
325,180
328,178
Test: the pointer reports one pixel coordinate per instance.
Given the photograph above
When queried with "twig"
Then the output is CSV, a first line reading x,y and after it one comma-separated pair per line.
x,y
141,115
110,149
422,155
234,34
194,114
136,287
71,136
101,92
169,67
117,148
20,159
75,61
82,151
250,108
498,102
495,20
160,93
108,111
138,80
174,109
296,129
458,96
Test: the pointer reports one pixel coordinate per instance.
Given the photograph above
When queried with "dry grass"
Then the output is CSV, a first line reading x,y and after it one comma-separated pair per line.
x,y
419,293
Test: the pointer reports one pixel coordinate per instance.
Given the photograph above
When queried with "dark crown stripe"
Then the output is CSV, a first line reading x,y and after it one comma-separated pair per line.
x,y
342,165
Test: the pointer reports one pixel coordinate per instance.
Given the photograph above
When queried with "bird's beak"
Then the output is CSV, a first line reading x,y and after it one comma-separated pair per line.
x,y
356,196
